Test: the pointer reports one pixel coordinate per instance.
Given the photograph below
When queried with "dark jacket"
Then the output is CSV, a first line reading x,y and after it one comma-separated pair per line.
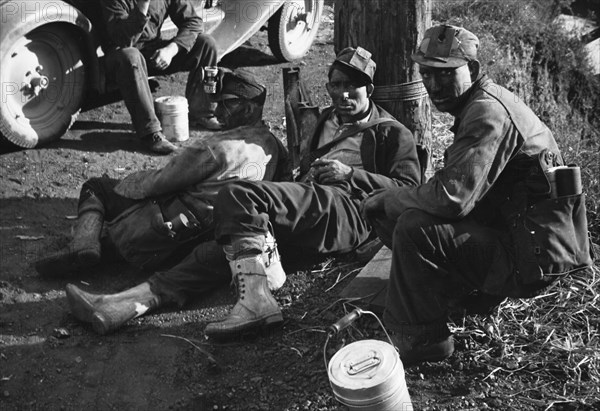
x,y
126,26
496,138
388,153
494,175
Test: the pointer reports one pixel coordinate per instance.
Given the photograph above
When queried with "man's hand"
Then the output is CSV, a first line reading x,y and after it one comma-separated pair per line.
x,y
162,57
373,205
143,6
329,171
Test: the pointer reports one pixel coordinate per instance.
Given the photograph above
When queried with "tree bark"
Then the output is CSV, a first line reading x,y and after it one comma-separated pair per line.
x,y
391,30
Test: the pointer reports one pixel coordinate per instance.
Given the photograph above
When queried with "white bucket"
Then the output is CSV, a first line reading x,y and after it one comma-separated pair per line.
x,y
172,111
368,375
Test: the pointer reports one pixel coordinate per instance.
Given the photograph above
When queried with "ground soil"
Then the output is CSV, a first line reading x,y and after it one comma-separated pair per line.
x,y
49,361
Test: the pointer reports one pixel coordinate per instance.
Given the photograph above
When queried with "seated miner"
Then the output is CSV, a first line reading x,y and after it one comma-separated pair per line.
x,y
357,148
484,225
134,49
152,218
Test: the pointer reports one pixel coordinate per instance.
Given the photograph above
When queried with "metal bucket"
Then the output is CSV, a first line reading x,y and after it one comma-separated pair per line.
x,y
172,111
368,375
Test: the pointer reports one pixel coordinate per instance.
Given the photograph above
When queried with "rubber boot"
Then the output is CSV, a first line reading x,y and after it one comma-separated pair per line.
x,y
255,307
270,255
109,312
83,251
423,343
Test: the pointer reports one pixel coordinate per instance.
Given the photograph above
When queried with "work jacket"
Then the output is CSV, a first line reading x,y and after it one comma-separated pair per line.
x,y
126,26
494,174
388,153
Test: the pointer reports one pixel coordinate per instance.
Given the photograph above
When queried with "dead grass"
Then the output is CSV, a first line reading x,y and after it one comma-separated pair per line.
x,y
550,343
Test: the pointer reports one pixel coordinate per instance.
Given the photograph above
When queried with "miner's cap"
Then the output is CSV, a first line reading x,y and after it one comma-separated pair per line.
x,y
240,84
447,46
358,60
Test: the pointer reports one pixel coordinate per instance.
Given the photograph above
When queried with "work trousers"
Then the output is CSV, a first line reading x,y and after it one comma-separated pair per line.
x,y
307,217
437,262
128,68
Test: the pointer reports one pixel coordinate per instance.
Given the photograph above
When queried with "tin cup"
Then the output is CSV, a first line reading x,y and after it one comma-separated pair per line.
x,y
210,82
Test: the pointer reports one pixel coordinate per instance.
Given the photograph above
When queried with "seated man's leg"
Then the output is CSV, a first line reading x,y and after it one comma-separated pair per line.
x,y
319,218
97,202
129,70
202,109
436,261
200,272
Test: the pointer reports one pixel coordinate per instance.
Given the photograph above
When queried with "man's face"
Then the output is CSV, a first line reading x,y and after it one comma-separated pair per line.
x,y
350,98
235,112
446,86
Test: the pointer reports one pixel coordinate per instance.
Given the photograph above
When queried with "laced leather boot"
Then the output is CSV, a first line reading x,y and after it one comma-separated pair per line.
x,y
83,251
255,307
109,312
270,255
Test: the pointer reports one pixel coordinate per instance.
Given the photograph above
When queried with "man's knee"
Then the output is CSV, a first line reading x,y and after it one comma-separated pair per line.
x,y
126,58
207,40
411,229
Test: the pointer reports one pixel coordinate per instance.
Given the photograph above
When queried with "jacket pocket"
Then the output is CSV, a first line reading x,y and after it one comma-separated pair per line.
x,y
550,238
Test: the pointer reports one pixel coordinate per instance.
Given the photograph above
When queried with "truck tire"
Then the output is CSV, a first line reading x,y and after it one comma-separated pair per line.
x,y
44,82
293,28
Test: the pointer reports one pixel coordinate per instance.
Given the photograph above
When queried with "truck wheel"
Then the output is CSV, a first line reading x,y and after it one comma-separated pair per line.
x,y
293,28
43,84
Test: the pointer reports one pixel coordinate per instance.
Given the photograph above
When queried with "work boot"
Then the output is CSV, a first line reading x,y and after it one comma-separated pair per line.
x,y
158,143
270,255
255,307
83,251
109,312
423,343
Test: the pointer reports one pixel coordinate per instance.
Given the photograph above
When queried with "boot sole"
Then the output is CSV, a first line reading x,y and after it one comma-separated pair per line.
x,y
245,329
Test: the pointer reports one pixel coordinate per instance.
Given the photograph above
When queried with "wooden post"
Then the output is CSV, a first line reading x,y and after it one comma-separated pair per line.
x,y
301,116
391,30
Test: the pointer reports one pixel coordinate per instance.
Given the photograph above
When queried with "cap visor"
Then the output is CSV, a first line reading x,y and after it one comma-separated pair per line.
x,y
452,62
353,69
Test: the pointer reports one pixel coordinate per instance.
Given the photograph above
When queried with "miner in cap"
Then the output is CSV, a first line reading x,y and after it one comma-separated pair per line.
x,y
357,148
484,227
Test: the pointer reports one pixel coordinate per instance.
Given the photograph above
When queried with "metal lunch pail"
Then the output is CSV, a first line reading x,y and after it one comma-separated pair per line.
x,y
172,112
367,375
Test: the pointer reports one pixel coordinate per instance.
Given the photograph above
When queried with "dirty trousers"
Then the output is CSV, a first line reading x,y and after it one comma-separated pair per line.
x,y
436,261
200,266
304,216
128,68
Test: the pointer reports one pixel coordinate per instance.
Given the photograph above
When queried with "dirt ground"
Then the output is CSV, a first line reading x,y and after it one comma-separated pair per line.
x,y
49,361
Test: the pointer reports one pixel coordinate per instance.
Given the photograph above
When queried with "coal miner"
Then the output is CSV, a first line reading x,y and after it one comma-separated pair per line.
x,y
357,148
134,49
488,225
164,218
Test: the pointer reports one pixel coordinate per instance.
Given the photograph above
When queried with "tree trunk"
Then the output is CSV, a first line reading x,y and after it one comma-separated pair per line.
x,y
391,30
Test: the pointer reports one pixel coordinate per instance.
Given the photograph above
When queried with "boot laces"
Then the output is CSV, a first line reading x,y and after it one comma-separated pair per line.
x,y
239,286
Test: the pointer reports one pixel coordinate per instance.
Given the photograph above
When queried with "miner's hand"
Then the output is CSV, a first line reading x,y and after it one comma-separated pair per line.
x,y
329,171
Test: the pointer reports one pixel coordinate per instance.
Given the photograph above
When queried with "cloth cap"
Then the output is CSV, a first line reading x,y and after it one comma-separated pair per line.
x,y
447,46
358,60
240,84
